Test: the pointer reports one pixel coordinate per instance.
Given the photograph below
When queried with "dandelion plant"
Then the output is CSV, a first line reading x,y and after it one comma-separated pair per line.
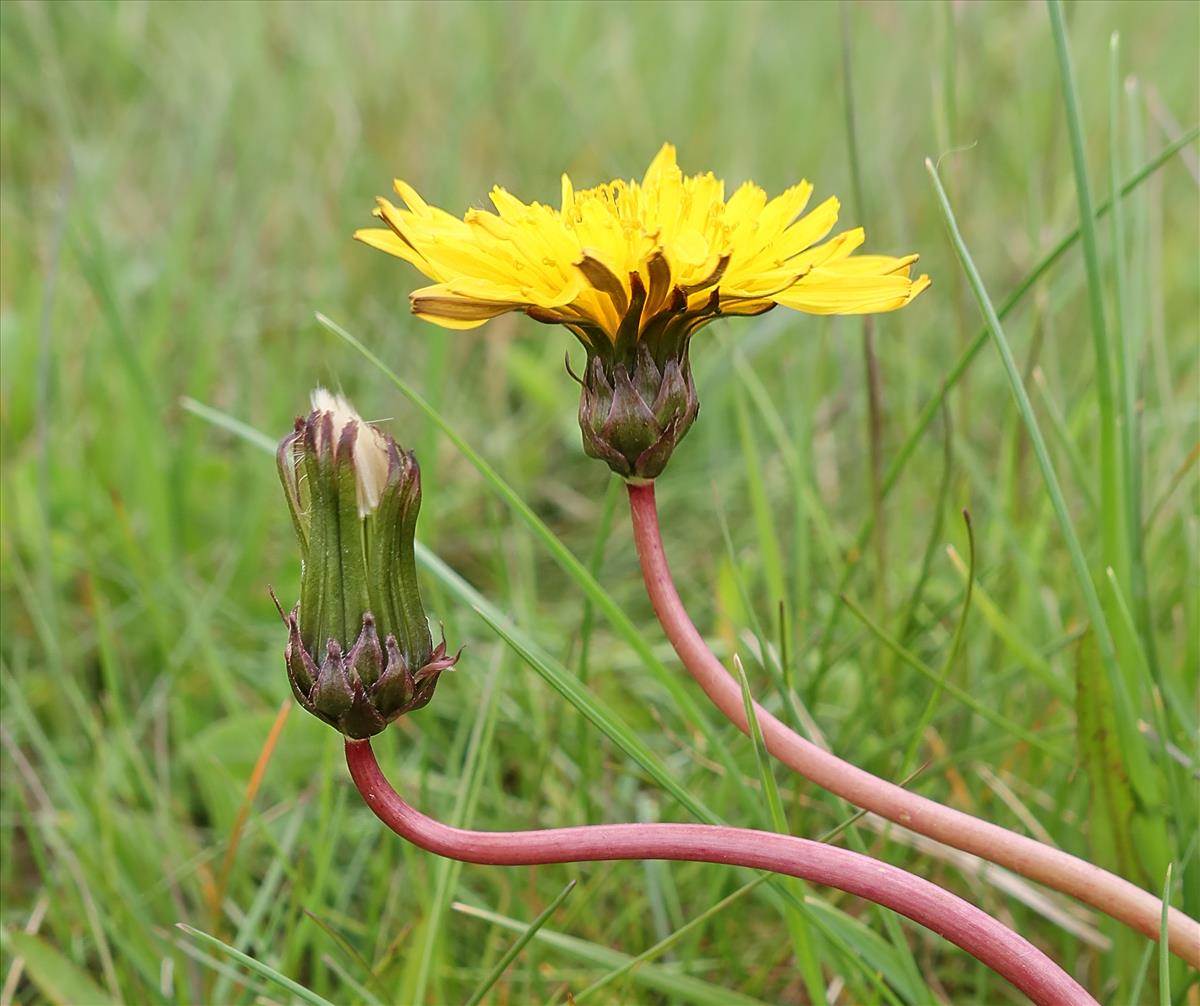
x,y
633,271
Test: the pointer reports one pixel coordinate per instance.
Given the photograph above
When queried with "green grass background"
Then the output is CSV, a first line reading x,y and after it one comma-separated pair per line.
x,y
180,182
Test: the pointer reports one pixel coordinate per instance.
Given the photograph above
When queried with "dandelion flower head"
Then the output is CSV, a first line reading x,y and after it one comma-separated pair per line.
x,y
613,262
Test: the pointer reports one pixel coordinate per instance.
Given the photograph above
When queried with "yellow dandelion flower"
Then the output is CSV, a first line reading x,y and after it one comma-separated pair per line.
x,y
634,270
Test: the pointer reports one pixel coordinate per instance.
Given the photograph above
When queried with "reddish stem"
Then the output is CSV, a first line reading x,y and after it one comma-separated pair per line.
x,y
1002,950
1105,891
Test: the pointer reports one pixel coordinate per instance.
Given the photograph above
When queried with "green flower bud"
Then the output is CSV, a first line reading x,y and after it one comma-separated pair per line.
x,y
637,398
359,652
632,413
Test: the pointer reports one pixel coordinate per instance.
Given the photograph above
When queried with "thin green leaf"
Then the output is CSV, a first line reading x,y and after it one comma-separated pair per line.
x,y
1066,442
350,951
768,536
229,423
1127,367
561,680
893,964
1112,802
952,653
258,967
1164,950
761,757
54,975
968,355
1110,462
917,594
266,893
1014,639
685,988
796,920
518,945
965,697
665,944
352,983
1137,760
1142,971
585,755
447,871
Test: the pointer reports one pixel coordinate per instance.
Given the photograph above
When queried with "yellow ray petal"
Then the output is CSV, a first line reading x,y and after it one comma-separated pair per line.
x,y
443,301
508,206
661,167
386,241
568,194
824,293
785,208
411,199
458,324
747,202
807,231
876,265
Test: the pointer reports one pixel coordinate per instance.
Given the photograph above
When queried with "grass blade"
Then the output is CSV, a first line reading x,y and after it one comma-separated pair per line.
x,y
1111,808
1132,745
1014,639
683,987
1110,464
447,871
1128,382
217,896
662,946
518,945
1164,954
224,421
585,754
352,983
557,676
968,355
761,758
1142,971
55,976
258,967
963,696
951,656
768,536
350,951
797,923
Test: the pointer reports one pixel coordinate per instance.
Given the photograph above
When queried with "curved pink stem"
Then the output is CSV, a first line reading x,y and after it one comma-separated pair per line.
x,y
1002,950
1105,891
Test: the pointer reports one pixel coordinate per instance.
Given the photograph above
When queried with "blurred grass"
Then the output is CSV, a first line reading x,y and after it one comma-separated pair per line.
x,y
179,186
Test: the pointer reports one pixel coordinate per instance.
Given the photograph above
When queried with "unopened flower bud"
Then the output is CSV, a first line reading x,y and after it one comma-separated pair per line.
x,y
359,652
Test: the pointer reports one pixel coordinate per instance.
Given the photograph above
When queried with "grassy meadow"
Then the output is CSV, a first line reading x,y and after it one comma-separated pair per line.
x,y
180,183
